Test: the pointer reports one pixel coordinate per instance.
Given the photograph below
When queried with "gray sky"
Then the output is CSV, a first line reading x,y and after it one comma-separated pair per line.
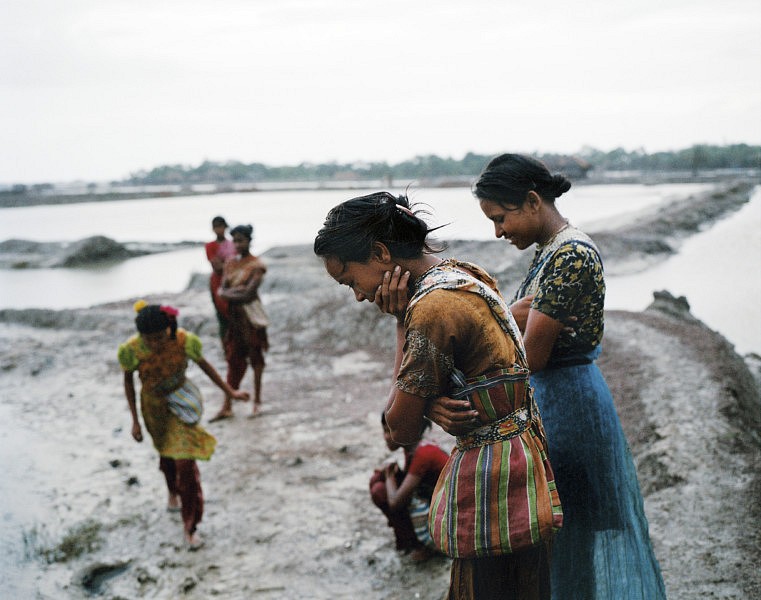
x,y
96,89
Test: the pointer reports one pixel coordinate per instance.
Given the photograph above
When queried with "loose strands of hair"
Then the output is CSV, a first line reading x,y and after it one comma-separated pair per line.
x,y
352,227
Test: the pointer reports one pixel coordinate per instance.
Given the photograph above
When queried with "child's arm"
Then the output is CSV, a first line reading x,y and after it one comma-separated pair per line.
x,y
129,391
399,496
221,383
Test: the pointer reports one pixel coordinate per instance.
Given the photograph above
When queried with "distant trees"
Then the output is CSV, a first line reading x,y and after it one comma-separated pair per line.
x,y
694,159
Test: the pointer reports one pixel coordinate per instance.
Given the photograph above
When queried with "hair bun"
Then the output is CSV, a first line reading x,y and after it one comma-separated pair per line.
x,y
139,305
560,184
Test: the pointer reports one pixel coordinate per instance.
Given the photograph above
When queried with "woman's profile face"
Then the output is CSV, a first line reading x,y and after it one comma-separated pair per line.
x,y
514,223
363,278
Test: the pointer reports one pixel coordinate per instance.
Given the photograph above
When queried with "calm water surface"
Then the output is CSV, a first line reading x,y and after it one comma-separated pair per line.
x,y
278,218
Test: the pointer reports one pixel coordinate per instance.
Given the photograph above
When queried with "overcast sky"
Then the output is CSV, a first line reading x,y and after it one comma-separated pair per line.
x,y
97,89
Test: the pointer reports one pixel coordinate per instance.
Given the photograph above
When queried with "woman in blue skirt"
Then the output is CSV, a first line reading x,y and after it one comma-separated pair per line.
x,y
603,550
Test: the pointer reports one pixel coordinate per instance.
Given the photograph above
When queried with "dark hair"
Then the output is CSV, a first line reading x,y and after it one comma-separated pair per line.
x,y
218,221
153,318
246,231
508,178
352,227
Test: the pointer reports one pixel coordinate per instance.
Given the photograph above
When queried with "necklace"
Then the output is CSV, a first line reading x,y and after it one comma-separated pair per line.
x,y
563,227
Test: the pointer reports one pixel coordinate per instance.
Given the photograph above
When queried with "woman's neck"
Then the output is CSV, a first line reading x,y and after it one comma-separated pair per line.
x,y
418,266
552,225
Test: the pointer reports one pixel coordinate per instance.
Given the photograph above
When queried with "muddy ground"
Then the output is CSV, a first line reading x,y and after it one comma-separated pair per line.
x,y
288,513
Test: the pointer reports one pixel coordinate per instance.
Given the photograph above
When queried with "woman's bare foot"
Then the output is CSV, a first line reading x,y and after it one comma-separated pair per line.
x,y
222,414
173,504
256,410
193,541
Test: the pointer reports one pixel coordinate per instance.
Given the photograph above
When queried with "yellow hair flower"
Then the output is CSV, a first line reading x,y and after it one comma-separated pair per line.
x,y
139,305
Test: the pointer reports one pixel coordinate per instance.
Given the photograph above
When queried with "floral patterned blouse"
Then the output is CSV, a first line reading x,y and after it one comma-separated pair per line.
x,y
566,279
160,374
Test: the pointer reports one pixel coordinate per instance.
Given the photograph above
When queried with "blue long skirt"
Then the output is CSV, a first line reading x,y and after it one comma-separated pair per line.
x,y
603,550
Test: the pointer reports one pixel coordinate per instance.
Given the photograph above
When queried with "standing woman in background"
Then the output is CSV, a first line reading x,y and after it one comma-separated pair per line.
x,y
246,338
217,252
603,550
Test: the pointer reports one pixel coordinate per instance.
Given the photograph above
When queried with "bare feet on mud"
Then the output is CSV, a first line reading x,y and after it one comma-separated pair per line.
x,y
256,410
221,415
193,541
173,504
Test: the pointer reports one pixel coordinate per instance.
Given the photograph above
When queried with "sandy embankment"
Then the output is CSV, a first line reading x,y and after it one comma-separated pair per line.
x,y
288,515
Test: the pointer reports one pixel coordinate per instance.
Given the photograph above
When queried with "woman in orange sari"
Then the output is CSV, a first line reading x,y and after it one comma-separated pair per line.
x,y
246,337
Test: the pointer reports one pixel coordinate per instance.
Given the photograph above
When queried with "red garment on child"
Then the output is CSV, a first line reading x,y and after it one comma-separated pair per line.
x,y
426,461
221,250
184,480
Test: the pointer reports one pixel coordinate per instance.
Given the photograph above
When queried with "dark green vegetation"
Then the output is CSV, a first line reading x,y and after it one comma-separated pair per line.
x,y
738,156
618,165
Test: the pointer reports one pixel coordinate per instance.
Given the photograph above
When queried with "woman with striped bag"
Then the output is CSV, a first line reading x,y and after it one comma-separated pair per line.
x,y
495,508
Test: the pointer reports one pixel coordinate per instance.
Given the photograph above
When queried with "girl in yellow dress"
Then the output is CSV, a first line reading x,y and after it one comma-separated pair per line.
x,y
159,353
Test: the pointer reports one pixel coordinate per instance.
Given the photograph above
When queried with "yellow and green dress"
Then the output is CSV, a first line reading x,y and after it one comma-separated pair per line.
x,y
161,373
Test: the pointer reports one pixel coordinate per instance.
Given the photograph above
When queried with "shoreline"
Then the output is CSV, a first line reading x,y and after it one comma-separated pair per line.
x,y
26,199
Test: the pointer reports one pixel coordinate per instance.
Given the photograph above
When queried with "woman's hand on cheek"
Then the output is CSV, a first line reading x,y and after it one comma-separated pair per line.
x,y
391,296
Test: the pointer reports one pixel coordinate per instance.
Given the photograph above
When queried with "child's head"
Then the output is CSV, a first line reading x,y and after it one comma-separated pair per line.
x,y
219,226
152,320
390,443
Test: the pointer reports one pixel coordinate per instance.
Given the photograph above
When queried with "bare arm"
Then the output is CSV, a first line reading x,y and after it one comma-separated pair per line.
x,y
397,361
404,415
129,391
217,264
539,338
391,298
242,294
404,412
221,383
399,496
520,309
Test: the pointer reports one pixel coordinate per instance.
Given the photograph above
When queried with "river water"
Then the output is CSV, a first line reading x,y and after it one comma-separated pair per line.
x,y
718,270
